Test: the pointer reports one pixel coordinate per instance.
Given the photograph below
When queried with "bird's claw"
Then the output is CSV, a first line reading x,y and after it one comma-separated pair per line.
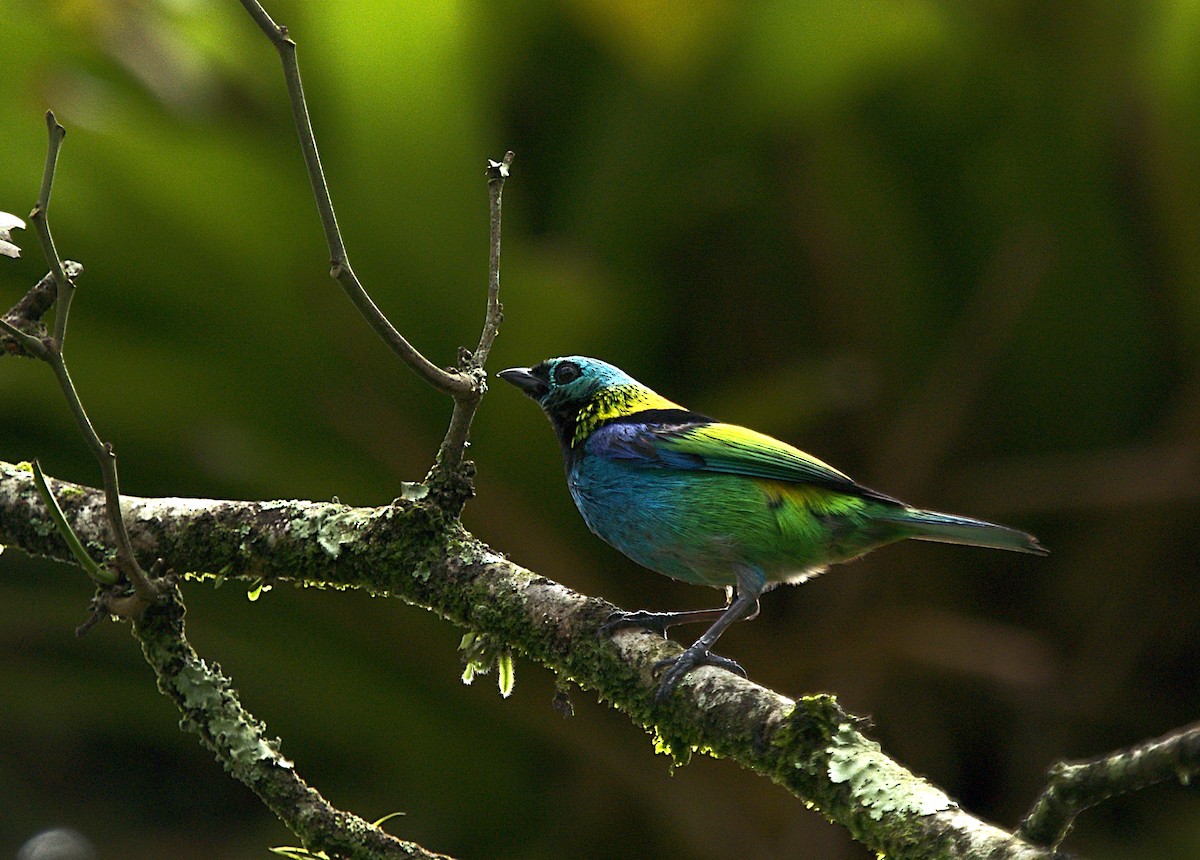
x,y
677,667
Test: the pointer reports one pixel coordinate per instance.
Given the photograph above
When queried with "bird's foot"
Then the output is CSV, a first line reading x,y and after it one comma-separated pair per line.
x,y
657,622
677,667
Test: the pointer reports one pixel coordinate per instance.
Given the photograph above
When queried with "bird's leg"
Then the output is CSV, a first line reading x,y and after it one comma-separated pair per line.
x,y
659,622
746,605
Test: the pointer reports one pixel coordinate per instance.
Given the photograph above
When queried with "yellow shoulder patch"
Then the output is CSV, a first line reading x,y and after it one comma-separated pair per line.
x,y
615,402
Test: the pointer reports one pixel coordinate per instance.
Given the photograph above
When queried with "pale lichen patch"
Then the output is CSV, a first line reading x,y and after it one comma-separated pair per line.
x,y
333,526
877,782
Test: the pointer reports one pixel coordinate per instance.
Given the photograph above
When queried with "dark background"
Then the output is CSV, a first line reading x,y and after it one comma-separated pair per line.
x,y
953,249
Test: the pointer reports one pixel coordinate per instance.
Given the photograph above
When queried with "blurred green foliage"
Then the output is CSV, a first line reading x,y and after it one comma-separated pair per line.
x,y
952,248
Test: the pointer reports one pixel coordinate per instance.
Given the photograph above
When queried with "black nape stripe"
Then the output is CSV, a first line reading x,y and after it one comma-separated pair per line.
x,y
659,416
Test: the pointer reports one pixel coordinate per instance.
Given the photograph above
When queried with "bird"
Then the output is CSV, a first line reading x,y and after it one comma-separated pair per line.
x,y
715,504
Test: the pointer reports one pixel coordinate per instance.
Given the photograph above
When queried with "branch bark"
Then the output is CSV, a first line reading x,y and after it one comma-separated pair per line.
x,y
413,551
211,709
26,315
1076,786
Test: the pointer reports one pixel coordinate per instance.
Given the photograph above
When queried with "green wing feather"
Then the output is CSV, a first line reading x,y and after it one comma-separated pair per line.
x,y
717,447
738,450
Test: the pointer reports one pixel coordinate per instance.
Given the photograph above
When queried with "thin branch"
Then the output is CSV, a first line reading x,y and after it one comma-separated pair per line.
x,y
23,321
127,561
449,480
40,216
497,172
1076,786
211,709
27,313
50,350
450,382
33,346
454,445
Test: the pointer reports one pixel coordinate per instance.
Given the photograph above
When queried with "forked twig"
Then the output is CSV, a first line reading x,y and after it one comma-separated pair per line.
x,y
467,384
50,350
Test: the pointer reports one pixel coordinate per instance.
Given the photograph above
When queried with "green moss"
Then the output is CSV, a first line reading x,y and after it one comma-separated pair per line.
x,y
665,744
813,721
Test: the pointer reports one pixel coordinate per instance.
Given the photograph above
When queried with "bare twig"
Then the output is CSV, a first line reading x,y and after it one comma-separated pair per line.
x,y
450,382
454,445
467,384
99,574
103,451
40,216
1076,786
50,350
497,172
27,313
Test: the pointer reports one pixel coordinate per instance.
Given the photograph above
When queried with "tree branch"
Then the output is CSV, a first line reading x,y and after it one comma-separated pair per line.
x,y
1076,786
26,315
204,696
211,709
450,382
413,551
449,481
40,216
445,476
50,350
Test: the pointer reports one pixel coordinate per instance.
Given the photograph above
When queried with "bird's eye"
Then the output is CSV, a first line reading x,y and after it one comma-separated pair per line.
x,y
566,373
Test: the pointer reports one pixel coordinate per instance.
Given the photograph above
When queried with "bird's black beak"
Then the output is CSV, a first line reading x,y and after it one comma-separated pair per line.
x,y
523,378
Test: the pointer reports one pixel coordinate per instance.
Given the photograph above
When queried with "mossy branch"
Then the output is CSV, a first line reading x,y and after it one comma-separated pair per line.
x,y
1076,786
413,551
211,709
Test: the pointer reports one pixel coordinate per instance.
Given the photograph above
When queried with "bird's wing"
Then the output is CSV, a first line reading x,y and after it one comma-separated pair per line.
x,y
716,447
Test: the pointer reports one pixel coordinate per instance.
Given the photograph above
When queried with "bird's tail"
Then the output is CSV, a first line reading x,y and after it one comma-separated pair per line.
x,y
950,528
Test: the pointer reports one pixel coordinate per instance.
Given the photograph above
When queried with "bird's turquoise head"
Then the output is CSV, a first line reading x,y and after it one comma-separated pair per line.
x,y
578,394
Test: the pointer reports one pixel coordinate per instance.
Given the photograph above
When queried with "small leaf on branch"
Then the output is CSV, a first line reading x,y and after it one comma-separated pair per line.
x,y
298,853
481,654
257,589
380,822
505,675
